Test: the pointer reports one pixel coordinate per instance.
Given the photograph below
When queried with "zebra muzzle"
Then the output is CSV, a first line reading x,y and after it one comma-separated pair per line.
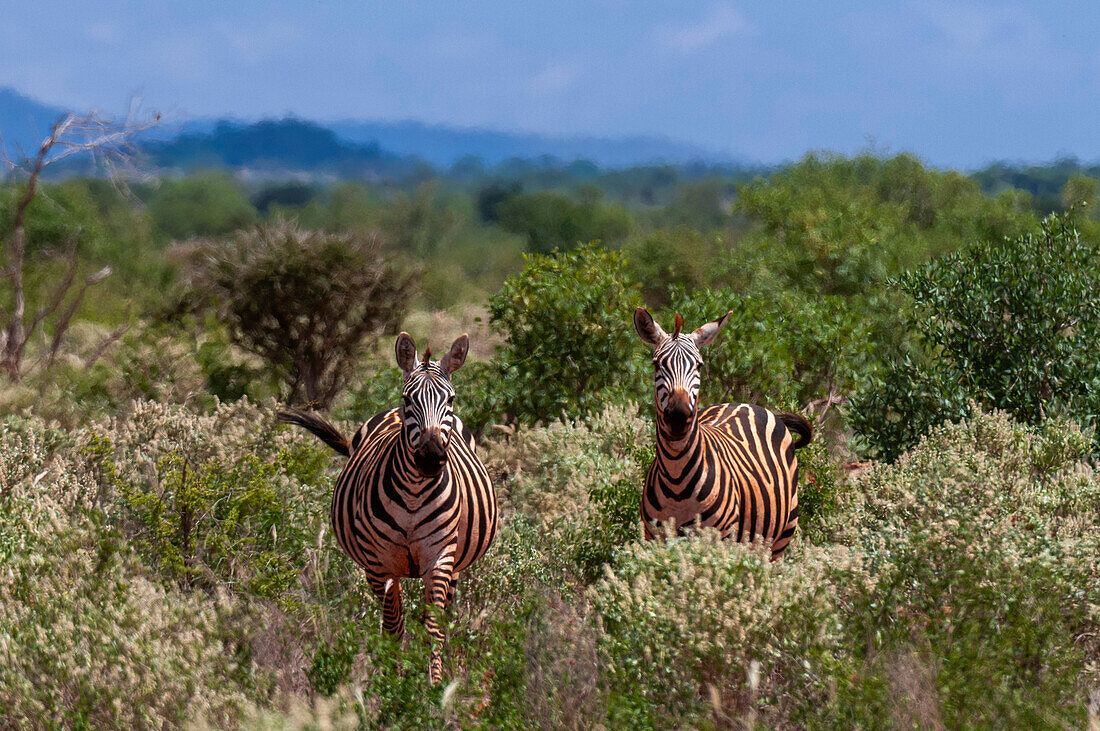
x,y
431,455
678,412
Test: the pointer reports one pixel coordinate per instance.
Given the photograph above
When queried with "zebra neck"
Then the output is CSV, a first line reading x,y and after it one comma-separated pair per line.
x,y
678,456
412,479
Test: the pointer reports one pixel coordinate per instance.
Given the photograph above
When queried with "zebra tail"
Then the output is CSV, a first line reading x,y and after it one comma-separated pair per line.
x,y
797,424
322,428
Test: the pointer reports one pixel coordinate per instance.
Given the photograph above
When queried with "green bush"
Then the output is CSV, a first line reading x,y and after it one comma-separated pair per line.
x,y
580,482
87,637
554,221
569,347
308,303
696,629
1010,324
210,204
986,543
776,351
212,499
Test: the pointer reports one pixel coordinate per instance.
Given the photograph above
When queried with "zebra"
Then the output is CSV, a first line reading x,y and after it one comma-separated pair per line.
x,y
729,466
413,499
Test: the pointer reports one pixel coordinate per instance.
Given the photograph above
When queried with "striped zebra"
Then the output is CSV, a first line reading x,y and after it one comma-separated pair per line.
x,y
729,466
413,499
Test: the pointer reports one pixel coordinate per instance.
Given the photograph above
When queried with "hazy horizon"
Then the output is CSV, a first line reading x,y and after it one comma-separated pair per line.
x,y
960,85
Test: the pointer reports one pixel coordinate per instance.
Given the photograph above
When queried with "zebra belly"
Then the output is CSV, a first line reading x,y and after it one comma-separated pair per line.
x,y
663,503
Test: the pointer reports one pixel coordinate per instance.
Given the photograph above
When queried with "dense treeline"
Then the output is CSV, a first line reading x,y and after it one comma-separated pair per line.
x,y
165,540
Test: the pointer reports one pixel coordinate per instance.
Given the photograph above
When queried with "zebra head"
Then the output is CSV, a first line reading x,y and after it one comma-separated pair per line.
x,y
427,410
676,362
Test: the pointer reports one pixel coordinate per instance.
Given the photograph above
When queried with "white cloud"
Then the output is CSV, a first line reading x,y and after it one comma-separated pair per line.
x,y
554,79
102,32
719,22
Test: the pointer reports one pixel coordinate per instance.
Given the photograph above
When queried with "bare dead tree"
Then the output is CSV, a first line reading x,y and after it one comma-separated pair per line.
x,y
110,144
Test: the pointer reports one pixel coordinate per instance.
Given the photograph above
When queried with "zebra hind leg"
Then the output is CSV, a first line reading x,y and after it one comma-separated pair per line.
x,y
437,594
393,607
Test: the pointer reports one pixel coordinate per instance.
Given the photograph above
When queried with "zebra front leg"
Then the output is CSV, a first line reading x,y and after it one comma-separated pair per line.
x,y
437,594
393,608
451,587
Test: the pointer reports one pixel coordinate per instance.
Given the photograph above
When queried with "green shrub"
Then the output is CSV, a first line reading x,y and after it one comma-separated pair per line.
x,y
554,221
210,204
308,303
777,351
986,543
569,346
580,481
1010,324
212,499
87,637
696,629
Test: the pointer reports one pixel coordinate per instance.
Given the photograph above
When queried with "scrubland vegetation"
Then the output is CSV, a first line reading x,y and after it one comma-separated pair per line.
x,y
165,556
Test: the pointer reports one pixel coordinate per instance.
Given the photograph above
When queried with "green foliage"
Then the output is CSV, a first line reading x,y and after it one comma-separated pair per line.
x,y
89,636
210,204
698,614
582,480
308,303
554,221
1011,324
566,320
985,539
419,223
332,663
201,493
672,259
842,225
778,350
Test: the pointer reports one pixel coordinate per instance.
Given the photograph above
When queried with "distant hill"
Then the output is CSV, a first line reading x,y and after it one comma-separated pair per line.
x,y
24,122
276,147
443,145
349,147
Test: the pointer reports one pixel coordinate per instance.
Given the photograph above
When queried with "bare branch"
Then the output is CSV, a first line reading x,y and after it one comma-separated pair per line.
x,y
109,143
60,291
66,318
112,338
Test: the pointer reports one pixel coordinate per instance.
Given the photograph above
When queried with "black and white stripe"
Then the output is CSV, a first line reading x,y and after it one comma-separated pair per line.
x,y
413,500
731,467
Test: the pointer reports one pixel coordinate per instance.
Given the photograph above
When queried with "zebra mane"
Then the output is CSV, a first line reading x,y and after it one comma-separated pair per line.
x,y
679,325
427,355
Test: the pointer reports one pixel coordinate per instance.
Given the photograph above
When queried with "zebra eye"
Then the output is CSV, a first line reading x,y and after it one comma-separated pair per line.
x,y
451,401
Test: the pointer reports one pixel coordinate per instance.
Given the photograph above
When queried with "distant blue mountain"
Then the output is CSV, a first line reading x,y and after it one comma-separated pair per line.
x,y
24,123
349,147
274,147
443,145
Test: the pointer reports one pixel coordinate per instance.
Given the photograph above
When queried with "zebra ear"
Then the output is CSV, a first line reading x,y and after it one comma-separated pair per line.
x,y
707,333
456,356
649,330
405,350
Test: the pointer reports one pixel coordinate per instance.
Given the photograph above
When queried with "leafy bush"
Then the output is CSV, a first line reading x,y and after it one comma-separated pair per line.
x,y
308,303
210,204
779,350
554,221
838,225
88,637
569,349
670,260
212,499
696,628
580,481
1010,324
986,542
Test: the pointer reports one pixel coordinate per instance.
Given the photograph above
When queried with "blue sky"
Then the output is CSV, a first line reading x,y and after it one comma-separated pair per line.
x,y
958,83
